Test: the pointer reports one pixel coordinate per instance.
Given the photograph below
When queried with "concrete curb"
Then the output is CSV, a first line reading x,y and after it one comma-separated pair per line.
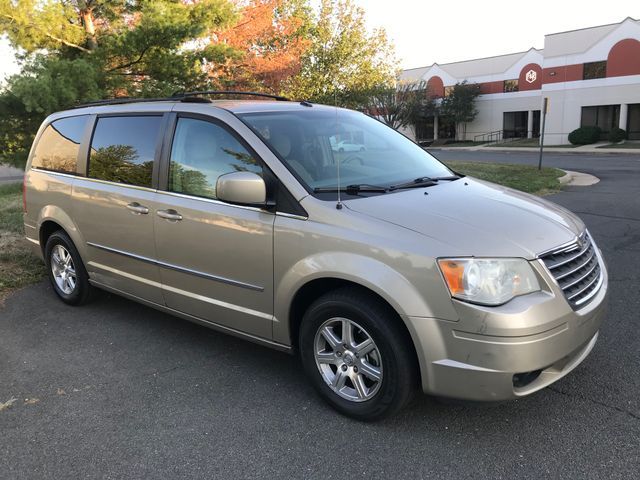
x,y
578,179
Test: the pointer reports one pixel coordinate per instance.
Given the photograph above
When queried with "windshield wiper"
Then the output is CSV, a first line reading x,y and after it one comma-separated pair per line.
x,y
353,189
422,182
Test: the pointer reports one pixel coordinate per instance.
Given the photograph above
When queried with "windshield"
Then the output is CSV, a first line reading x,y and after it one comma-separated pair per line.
x,y
313,141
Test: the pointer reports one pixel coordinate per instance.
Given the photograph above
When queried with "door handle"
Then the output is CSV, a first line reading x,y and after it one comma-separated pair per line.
x,y
170,214
138,209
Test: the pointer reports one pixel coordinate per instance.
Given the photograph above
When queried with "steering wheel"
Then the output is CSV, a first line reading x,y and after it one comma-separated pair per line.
x,y
353,159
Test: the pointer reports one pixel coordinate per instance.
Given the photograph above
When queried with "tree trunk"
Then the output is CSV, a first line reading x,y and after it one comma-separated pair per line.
x,y
89,27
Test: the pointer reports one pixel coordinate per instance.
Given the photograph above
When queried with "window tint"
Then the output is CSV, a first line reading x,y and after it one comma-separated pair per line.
x,y
123,148
57,149
201,152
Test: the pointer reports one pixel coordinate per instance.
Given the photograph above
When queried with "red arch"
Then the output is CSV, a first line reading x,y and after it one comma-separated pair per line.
x,y
526,84
624,58
435,87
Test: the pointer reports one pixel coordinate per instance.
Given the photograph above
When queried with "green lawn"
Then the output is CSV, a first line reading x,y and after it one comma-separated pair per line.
x,y
521,177
18,266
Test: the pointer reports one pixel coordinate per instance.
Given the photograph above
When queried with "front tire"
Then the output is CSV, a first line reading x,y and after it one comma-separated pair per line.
x,y
67,273
357,355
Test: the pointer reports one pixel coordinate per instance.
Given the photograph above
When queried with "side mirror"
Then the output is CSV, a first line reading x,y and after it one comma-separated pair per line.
x,y
243,188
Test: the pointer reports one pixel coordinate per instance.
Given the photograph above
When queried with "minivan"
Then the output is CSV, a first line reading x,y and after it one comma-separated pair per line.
x,y
381,268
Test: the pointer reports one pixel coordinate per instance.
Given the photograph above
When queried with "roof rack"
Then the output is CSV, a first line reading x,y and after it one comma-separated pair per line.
x,y
229,92
190,97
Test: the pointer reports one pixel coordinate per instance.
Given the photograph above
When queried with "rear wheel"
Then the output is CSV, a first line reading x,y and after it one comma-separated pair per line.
x,y
67,273
357,355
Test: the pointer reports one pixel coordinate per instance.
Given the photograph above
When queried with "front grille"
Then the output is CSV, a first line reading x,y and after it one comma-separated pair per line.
x,y
577,270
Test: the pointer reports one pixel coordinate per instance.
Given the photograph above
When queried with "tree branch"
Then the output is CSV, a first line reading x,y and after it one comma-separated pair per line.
x,y
131,63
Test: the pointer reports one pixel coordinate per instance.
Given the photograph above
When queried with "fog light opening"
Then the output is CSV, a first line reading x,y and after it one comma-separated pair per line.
x,y
521,380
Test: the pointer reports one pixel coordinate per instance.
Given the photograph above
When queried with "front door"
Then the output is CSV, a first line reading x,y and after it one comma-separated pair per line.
x,y
215,259
114,205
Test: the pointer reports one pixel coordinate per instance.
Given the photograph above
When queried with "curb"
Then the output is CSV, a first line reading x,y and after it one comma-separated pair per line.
x,y
578,179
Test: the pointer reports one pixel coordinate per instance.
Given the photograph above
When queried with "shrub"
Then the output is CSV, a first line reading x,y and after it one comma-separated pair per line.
x,y
585,135
617,135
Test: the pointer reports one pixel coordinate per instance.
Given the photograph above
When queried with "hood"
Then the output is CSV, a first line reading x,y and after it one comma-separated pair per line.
x,y
476,218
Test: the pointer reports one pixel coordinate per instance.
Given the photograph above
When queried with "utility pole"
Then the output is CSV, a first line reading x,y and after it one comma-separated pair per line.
x,y
545,107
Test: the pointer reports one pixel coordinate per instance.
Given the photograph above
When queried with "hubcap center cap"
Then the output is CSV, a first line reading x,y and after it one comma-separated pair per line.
x,y
349,359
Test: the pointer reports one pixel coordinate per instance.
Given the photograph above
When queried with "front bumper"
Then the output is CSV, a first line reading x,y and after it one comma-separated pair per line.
x,y
501,353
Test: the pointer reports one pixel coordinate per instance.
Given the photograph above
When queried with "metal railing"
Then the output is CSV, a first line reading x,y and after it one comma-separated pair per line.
x,y
489,137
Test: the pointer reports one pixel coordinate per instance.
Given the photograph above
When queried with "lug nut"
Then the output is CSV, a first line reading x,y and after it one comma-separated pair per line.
x,y
339,354
355,369
344,368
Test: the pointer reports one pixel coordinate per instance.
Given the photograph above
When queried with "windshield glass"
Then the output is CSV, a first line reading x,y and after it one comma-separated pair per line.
x,y
314,140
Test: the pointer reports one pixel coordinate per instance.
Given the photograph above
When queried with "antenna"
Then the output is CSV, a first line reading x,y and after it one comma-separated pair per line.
x,y
335,105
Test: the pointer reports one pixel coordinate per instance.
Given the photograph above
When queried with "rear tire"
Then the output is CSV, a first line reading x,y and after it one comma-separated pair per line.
x,y
67,273
357,355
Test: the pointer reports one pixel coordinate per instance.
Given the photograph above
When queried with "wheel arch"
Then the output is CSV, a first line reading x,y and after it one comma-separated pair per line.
x,y
53,218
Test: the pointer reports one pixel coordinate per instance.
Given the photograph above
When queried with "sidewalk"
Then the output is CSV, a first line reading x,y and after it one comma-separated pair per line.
x,y
10,174
589,149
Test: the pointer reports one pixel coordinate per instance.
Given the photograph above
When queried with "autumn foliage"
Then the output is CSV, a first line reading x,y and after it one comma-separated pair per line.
x,y
269,37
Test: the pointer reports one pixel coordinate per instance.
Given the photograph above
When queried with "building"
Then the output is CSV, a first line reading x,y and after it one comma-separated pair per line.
x,y
591,76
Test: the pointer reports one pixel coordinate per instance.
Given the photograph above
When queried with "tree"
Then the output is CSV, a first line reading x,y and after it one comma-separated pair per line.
x,y
270,38
405,105
344,60
77,50
459,105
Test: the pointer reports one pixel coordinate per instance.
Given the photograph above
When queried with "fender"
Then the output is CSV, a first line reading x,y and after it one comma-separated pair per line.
x,y
389,284
56,214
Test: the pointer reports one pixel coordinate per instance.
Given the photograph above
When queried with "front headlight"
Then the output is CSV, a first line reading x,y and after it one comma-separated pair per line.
x,y
488,281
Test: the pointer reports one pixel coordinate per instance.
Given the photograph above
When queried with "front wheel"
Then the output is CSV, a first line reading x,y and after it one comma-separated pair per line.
x,y
357,355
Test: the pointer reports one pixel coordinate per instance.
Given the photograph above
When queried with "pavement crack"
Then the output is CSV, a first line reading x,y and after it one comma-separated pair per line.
x,y
596,402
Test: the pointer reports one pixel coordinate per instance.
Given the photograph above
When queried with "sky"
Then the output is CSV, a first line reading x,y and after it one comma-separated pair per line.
x,y
445,31
426,31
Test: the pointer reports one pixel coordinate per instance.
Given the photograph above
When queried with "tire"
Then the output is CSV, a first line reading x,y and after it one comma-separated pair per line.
x,y
71,284
392,358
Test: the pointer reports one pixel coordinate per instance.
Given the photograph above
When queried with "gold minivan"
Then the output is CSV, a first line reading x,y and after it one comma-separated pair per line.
x,y
381,268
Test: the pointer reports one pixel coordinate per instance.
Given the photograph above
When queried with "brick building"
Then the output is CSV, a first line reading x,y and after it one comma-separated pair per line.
x,y
591,76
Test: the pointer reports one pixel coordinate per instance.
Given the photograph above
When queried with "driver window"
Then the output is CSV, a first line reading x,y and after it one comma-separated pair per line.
x,y
201,152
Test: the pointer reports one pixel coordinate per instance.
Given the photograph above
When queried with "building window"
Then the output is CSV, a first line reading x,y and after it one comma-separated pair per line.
x,y
594,70
448,90
515,124
604,116
510,86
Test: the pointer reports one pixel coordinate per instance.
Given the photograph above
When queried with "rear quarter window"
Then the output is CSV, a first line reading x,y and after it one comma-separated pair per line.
x,y
58,146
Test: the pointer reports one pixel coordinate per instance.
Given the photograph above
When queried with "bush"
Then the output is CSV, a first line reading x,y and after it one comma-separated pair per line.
x,y
617,135
585,135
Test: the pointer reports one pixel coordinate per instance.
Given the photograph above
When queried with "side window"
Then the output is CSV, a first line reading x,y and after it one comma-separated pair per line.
x,y
57,148
123,149
201,152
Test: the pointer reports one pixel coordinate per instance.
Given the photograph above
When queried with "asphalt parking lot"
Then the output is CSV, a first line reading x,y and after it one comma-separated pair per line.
x,y
118,390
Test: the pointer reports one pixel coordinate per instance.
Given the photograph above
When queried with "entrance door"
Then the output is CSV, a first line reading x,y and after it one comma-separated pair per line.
x,y
515,124
633,122
215,259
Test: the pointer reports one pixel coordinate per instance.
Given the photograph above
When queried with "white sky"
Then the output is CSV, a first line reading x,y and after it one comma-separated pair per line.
x,y
445,31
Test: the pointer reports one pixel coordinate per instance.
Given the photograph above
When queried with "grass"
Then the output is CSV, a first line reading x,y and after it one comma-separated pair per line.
x,y
18,266
521,177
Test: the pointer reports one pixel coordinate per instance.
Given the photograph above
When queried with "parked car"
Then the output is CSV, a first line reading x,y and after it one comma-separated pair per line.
x,y
345,146
384,276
